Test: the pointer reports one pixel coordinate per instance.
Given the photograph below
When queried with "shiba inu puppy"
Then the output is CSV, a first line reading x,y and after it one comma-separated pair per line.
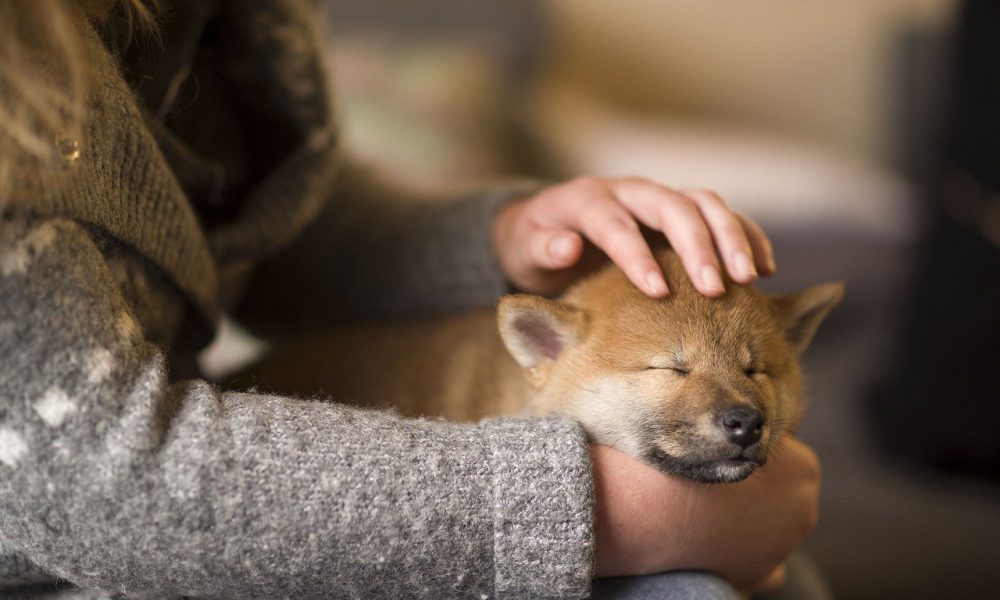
x,y
698,387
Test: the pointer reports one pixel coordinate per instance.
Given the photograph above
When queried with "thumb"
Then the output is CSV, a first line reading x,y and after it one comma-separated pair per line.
x,y
552,249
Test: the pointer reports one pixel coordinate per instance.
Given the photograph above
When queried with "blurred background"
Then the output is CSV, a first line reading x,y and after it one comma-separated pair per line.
x,y
864,136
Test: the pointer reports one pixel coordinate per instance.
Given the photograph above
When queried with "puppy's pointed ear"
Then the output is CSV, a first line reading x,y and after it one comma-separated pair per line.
x,y
800,314
536,330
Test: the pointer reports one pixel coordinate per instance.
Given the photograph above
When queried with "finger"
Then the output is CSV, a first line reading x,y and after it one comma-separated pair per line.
x,y
617,234
553,249
763,252
611,228
680,219
728,233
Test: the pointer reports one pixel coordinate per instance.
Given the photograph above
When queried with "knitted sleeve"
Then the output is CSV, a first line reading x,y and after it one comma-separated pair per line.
x,y
404,255
114,477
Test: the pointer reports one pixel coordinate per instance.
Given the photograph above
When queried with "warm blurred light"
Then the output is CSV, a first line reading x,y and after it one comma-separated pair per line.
x,y
820,69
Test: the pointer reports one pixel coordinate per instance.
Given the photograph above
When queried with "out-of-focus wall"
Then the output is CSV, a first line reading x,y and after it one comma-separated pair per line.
x,y
821,69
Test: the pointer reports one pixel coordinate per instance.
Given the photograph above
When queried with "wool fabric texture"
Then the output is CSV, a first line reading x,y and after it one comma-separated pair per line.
x,y
208,182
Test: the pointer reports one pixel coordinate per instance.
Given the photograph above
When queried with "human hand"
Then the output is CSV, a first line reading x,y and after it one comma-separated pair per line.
x,y
646,522
538,240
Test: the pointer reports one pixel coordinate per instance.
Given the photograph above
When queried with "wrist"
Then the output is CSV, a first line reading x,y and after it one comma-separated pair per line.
x,y
638,516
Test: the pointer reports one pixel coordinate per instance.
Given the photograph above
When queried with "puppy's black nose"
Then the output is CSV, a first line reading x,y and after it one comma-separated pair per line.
x,y
742,425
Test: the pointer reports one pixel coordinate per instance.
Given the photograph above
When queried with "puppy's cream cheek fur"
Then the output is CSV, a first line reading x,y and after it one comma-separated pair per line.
x,y
609,411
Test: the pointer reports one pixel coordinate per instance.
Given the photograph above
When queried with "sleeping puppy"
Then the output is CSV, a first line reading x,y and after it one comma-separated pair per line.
x,y
697,387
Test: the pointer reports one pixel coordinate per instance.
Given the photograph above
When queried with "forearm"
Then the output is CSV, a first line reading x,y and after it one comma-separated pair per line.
x,y
115,478
403,256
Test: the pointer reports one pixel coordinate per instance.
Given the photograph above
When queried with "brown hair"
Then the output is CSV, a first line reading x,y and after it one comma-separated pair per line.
x,y
43,77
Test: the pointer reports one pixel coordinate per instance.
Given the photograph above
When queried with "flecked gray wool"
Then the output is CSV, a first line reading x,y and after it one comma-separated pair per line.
x,y
120,475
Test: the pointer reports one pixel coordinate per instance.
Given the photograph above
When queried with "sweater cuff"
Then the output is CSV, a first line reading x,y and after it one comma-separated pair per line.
x,y
473,277
542,507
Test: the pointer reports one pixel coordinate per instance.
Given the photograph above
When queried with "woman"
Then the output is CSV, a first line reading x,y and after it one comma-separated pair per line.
x,y
149,188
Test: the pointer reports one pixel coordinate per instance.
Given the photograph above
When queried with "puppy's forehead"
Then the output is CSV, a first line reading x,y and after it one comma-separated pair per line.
x,y
740,322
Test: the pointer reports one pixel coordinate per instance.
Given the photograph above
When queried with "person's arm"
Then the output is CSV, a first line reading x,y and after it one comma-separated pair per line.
x,y
113,476
378,251
406,254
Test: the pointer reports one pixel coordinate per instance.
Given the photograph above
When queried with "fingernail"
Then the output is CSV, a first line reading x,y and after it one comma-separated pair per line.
x,y
744,267
561,247
711,280
655,284
770,263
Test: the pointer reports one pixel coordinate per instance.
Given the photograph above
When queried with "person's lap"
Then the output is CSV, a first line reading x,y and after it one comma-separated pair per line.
x,y
804,582
683,585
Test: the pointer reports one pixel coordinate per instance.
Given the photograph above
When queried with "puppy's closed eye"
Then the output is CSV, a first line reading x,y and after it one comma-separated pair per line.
x,y
678,369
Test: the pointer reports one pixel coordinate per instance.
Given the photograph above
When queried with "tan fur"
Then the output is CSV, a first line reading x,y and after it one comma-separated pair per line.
x,y
651,377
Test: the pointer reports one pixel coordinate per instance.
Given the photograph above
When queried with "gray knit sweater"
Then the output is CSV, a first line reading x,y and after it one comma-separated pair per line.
x,y
205,184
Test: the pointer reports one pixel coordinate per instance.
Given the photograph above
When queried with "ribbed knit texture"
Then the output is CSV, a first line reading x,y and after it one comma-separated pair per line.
x,y
120,479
